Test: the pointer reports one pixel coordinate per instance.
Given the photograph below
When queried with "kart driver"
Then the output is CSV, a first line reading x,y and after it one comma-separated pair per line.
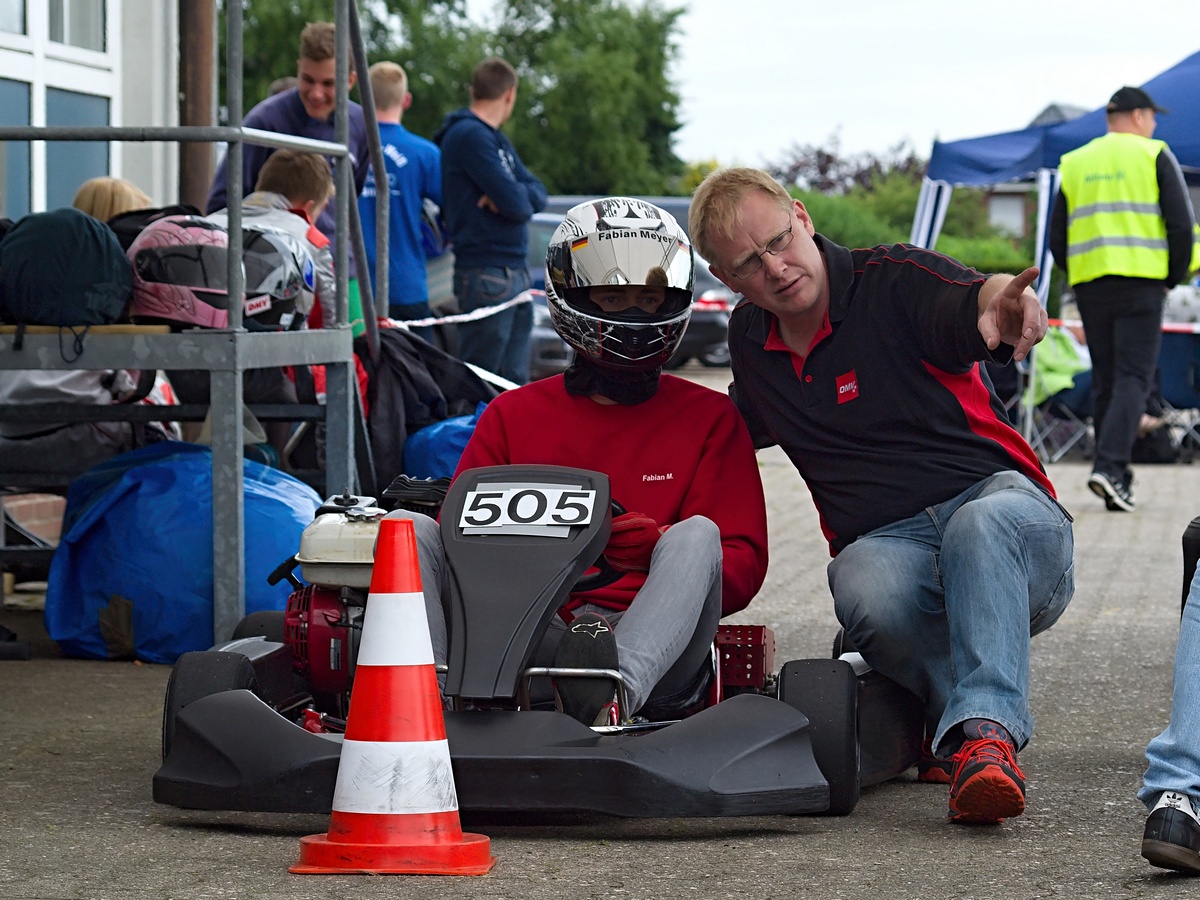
x,y
693,545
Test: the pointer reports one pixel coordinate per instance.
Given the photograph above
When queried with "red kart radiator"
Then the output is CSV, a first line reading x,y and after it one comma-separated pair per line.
x,y
747,655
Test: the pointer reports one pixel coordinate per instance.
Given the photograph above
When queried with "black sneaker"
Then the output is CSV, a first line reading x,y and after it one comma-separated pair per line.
x,y
1117,494
588,644
1172,836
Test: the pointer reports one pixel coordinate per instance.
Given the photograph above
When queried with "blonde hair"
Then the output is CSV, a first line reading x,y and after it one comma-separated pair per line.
x,y
106,196
389,84
716,204
657,277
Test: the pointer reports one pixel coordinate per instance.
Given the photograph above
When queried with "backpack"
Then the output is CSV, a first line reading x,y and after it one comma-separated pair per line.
x,y
128,225
63,267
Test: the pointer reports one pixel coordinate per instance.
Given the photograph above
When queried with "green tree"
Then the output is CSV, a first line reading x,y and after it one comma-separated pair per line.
x,y
438,47
595,113
595,110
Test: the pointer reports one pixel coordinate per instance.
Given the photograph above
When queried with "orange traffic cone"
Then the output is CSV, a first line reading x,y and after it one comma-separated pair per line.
x,y
395,810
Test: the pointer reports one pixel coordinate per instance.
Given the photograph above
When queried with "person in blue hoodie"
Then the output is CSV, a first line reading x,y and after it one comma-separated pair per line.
x,y
488,197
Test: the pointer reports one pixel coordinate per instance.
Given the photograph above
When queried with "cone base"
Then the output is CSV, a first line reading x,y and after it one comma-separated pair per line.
x,y
321,856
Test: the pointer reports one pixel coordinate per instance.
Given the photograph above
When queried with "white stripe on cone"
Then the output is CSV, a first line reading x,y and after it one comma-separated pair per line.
x,y
395,777
395,631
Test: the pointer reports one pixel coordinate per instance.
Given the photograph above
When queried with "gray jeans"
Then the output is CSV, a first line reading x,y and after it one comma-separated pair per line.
x,y
663,638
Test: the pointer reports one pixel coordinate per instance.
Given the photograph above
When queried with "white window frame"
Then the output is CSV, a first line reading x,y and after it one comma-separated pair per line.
x,y
41,63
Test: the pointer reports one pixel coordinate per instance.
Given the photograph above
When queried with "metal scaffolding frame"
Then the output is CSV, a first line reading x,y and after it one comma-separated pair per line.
x,y
229,352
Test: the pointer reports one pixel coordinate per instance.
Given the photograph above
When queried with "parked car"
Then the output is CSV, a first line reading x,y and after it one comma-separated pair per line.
x,y
704,340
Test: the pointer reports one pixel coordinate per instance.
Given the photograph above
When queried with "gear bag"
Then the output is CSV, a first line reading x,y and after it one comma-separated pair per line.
x,y
133,574
65,268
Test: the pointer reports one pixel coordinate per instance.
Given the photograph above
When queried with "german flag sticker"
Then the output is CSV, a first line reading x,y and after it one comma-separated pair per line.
x,y
578,244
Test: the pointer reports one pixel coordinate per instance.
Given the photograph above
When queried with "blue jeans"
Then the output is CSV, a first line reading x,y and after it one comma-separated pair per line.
x,y
500,342
1174,755
663,638
944,602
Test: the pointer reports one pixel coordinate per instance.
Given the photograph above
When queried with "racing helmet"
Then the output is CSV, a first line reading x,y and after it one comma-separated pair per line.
x,y
180,273
280,280
619,241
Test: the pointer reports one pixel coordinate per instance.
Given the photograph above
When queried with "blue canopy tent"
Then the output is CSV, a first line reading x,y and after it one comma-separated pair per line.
x,y
1032,155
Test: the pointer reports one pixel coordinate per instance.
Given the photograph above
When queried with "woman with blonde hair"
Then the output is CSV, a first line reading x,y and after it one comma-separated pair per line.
x,y
106,196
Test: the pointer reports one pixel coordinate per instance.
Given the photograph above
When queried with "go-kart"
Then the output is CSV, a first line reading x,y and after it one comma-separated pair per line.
x,y
255,723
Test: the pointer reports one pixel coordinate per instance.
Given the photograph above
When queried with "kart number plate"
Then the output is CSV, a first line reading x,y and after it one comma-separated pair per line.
x,y
543,510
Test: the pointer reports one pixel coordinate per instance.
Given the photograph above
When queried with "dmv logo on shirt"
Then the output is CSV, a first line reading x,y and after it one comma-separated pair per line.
x,y
847,387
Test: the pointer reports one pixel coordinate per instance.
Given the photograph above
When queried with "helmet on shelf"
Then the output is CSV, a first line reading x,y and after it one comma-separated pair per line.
x,y
620,242
280,280
180,273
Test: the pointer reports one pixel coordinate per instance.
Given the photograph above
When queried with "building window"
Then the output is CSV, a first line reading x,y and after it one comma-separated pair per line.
x,y
79,23
12,16
70,163
14,155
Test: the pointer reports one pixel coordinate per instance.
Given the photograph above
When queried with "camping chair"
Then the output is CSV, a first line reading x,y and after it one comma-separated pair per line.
x,y
1059,424
1057,430
1179,378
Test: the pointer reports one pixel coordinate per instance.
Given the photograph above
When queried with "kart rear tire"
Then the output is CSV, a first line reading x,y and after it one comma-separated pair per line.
x,y
266,624
202,673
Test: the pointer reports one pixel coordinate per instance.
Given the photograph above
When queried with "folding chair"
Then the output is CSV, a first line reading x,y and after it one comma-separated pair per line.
x,y
1055,429
1179,378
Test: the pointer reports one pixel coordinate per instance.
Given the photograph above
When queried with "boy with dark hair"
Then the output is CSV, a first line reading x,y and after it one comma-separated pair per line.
x,y
292,190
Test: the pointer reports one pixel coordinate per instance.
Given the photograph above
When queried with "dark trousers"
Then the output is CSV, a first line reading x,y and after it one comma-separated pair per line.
x,y
1122,322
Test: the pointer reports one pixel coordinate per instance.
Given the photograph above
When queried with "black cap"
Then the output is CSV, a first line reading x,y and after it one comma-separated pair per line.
x,y
1128,99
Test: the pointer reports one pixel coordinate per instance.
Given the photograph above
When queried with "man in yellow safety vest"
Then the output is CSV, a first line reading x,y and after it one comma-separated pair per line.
x,y
1122,230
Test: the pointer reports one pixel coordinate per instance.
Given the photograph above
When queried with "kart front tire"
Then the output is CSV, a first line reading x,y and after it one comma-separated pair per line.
x,y
202,673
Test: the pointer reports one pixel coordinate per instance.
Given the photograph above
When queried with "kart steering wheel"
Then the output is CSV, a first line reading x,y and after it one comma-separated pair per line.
x,y
605,574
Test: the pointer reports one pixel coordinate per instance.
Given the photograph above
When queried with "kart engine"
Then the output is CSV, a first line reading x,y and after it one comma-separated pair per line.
x,y
322,627
323,620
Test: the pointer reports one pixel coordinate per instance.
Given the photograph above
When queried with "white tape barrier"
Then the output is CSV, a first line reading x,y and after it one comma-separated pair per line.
x,y
473,316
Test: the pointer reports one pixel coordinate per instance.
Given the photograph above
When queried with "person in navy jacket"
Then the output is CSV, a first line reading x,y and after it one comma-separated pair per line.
x,y
488,197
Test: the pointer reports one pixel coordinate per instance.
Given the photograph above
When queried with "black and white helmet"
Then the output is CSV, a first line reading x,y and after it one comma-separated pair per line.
x,y
619,241
280,280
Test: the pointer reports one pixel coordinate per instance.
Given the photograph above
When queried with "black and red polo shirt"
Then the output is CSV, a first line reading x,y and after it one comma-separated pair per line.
x,y
889,413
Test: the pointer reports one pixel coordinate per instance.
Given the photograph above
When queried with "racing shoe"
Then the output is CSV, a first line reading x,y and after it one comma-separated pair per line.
x,y
588,644
987,786
1117,493
1172,836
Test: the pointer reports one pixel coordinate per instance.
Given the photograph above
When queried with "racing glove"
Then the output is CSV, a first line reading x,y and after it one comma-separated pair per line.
x,y
631,542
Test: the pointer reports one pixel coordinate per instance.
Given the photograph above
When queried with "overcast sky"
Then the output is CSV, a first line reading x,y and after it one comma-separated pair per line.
x,y
759,76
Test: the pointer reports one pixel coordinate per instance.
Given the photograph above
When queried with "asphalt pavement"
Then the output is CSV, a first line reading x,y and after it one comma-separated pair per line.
x,y
81,741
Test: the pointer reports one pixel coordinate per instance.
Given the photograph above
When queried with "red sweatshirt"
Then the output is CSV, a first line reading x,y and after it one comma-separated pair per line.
x,y
684,452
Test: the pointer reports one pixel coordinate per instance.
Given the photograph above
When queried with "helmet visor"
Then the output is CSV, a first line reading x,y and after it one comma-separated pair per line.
x,y
201,267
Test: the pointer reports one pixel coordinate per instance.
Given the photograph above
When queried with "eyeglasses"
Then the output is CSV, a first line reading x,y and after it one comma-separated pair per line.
x,y
751,266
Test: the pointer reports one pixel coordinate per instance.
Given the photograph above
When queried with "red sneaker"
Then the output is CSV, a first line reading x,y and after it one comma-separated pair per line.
x,y
933,769
987,786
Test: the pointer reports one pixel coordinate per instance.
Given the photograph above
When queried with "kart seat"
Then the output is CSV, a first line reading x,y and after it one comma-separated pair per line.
x,y
508,576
